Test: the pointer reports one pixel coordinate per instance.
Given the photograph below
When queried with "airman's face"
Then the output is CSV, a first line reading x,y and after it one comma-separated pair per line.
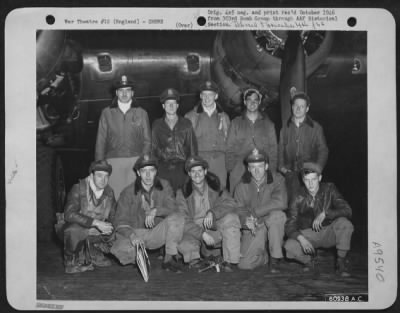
x,y
148,174
208,98
197,174
258,170
124,94
170,106
100,179
252,103
312,181
300,108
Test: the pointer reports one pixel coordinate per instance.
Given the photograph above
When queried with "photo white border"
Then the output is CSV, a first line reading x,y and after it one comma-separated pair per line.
x,y
20,143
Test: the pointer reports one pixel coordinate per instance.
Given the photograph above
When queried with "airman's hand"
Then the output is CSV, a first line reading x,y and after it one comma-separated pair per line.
x,y
223,124
208,221
317,223
136,241
306,245
105,228
251,224
208,239
284,170
149,221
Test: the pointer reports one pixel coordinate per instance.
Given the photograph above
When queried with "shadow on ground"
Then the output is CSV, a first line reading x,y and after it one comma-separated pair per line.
x,y
125,282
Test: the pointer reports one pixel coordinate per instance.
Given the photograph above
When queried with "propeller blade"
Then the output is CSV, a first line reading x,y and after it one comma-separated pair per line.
x,y
293,72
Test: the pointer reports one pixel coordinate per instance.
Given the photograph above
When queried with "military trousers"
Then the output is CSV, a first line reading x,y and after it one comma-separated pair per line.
x,y
168,232
76,237
216,163
337,234
122,174
253,247
293,184
235,176
173,172
226,236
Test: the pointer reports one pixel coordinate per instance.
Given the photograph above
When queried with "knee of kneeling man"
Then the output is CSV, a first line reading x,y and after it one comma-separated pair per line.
x,y
176,218
231,218
291,244
74,230
186,246
182,246
68,231
344,223
277,216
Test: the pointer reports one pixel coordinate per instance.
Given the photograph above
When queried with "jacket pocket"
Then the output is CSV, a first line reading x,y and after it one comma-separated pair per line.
x,y
136,127
111,142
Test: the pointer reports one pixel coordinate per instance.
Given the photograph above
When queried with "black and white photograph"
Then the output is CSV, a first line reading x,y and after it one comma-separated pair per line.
x,y
206,165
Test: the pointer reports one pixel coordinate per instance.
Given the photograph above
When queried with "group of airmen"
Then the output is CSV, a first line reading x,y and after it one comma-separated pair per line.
x,y
166,187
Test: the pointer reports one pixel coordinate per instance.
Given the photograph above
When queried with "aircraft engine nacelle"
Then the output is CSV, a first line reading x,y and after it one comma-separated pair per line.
x,y
58,62
243,59
55,54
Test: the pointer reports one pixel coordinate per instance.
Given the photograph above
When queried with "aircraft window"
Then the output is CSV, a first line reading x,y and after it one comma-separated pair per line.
x,y
193,62
104,62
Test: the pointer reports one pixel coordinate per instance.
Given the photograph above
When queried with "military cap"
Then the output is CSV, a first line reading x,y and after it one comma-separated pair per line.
x,y
311,167
123,83
169,93
100,165
195,161
145,160
209,85
257,156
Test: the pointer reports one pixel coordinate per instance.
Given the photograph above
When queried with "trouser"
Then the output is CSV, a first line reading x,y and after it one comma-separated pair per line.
x,y
293,184
174,172
235,176
122,174
337,234
225,235
252,247
216,163
76,239
168,232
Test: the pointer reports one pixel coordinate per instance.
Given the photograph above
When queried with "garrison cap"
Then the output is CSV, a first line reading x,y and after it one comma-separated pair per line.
x,y
257,156
123,83
311,167
145,160
169,93
195,161
100,165
209,85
